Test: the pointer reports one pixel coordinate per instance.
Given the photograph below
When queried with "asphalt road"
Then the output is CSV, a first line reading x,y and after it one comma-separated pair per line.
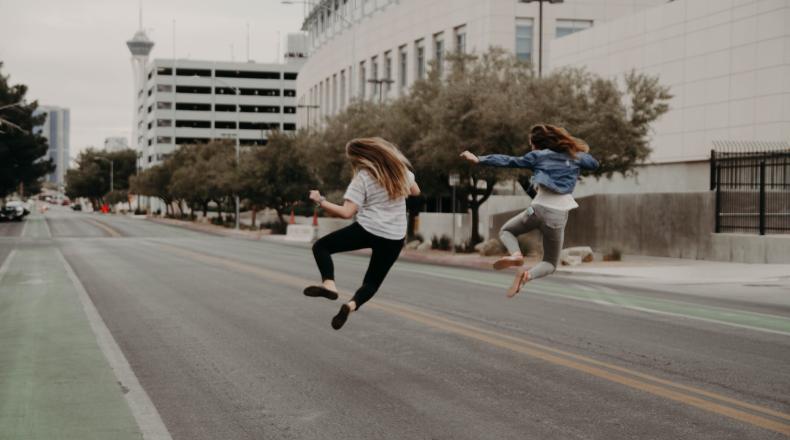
x,y
227,347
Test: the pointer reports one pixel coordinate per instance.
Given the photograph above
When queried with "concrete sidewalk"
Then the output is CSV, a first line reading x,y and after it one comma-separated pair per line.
x,y
654,270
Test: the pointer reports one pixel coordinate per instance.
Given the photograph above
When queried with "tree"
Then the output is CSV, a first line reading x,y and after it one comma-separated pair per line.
x,y
91,179
21,148
203,173
277,175
154,182
475,107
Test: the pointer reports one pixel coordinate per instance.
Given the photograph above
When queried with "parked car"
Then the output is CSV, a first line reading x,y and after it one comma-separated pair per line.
x,y
76,207
13,212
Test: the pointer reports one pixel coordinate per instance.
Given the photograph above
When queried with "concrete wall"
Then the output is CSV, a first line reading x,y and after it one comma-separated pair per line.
x,y
666,225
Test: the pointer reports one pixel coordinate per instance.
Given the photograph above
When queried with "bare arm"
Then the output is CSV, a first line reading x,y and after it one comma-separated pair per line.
x,y
414,189
346,211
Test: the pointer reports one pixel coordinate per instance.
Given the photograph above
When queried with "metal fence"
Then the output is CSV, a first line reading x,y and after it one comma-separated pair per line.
x,y
752,184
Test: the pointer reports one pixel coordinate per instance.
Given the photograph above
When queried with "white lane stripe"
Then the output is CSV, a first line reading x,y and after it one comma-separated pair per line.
x,y
143,410
24,227
7,263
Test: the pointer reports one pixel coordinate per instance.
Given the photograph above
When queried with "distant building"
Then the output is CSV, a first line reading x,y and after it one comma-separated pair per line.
x,y
116,144
188,101
56,129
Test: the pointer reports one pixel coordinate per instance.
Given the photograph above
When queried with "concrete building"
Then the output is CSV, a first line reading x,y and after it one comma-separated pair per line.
x,y
118,143
185,101
56,129
728,66
354,41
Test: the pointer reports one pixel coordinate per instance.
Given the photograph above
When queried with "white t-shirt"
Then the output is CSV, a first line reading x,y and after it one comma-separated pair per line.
x,y
377,213
550,199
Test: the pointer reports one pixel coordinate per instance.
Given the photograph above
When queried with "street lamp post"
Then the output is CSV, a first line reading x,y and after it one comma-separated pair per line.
x,y
112,171
238,134
454,180
540,31
380,84
326,7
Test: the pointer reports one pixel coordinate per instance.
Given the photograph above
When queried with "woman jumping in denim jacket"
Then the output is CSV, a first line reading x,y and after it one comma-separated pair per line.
x,y
556,160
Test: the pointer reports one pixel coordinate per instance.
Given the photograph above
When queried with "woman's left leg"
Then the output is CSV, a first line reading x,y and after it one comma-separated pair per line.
x,y
385,254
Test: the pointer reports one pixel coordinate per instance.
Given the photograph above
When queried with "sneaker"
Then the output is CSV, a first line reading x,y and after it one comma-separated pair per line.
x,y
341,317
320,291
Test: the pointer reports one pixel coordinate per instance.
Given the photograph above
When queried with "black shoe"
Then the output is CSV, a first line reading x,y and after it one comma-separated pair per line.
x,y
341,317
320,291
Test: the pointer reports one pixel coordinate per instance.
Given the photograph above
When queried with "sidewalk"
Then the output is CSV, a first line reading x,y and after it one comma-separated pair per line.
x,y
657,270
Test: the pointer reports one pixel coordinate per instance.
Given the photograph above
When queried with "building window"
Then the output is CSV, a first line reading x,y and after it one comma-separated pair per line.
x,y
165,71
150,107
224,124
289,127
374,76
193,124
460,39
567,27
247,74
290,75
334,94
194,72
342,89
160,105
165,88
194,107
289,110
193,90
438,51
225,107
289,93
419,58
259,126
524,31
164,139
191,141
388,72
164,122
362,79
259,109
403,66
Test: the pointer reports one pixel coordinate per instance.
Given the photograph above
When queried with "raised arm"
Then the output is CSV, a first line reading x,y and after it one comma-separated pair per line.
x,y
346,211
587,161
501,160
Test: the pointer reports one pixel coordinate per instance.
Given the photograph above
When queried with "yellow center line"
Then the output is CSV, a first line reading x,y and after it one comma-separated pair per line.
x,y
113,232
604,370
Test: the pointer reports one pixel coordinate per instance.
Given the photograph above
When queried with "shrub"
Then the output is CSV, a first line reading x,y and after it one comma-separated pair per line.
x,y
443,243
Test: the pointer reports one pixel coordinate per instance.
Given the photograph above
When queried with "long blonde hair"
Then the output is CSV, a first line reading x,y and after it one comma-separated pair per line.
x,y
383,161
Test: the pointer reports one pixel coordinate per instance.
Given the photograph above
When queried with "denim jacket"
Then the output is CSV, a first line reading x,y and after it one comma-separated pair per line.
x,y
556,171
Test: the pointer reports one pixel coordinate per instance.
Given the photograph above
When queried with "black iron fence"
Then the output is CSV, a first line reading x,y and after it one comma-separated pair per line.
x,y
752,188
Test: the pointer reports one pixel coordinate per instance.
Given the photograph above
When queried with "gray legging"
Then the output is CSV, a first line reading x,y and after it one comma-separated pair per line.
x,y
552,225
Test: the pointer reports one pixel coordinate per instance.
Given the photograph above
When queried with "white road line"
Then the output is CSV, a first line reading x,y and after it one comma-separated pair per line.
x,y
143,410
24,227
7,263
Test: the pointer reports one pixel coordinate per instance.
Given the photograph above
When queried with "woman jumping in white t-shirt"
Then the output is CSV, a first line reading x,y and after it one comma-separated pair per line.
x,y
377,195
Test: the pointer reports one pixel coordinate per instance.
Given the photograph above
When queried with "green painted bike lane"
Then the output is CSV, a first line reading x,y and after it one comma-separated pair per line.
x,y
55,382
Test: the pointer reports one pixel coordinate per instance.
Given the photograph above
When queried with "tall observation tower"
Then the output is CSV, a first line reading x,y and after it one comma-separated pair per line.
x,y
140,46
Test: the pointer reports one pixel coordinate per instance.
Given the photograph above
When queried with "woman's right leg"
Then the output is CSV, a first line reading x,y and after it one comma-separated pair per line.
x,y
350,238
508,235
553,230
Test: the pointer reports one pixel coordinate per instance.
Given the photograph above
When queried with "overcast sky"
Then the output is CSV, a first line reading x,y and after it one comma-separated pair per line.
x,y
72,53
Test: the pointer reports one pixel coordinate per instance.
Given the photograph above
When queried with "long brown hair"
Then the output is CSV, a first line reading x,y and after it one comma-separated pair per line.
x,y
383,161
546,136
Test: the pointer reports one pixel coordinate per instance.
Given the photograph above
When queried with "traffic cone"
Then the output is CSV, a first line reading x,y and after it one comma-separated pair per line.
x,y
292,221
315,217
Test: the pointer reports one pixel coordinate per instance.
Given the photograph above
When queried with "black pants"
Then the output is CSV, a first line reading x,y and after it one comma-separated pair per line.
x,y
353,237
